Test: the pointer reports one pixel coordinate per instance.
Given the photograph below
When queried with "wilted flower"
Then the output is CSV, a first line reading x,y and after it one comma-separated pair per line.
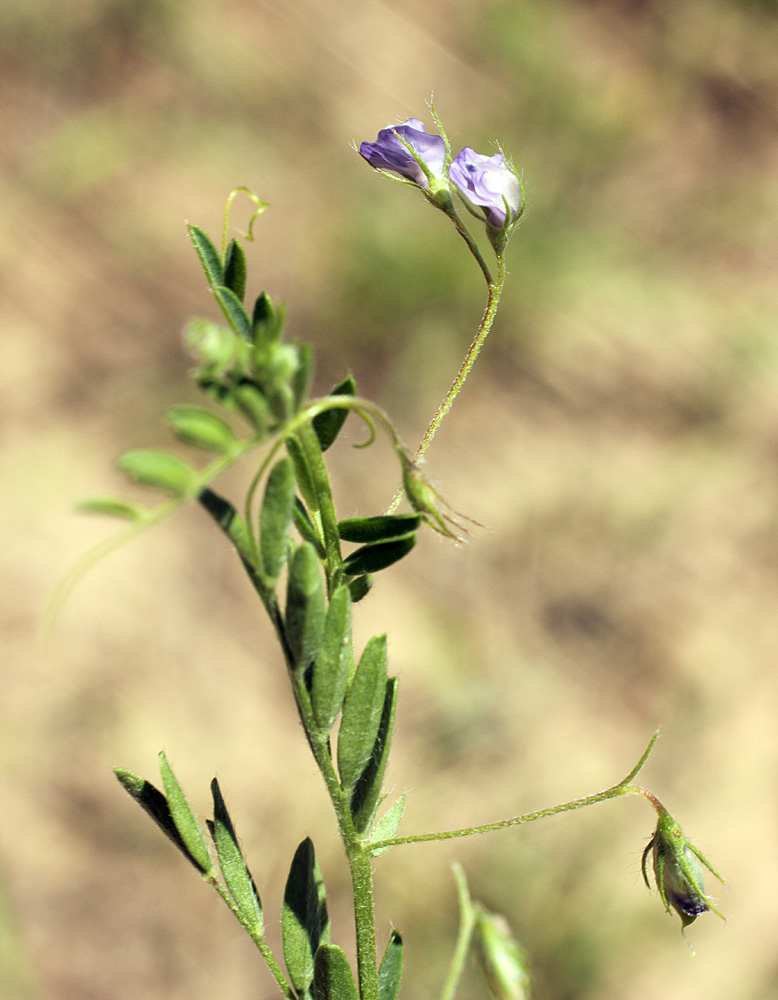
x,y
677,871
426,500
489,184
390,152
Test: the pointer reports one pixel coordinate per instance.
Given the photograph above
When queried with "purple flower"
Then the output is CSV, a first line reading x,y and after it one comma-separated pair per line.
x,y
389,153
486,182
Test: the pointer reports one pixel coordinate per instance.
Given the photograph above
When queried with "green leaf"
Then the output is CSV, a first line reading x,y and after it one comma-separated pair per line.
x,y
367,789
305,606
155,804
237,877
372,558
301,380
275,517
304,919
113,507
334,661
159,469
184,818
315,488
208,254
201,428
233,311
332,975
362,711
235,269
227,518
360,587
382,528
387,826
391,969
329,423
266,322
253,404
306,527
303,473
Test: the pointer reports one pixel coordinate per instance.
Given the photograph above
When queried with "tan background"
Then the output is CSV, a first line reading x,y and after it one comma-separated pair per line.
x,y
619,439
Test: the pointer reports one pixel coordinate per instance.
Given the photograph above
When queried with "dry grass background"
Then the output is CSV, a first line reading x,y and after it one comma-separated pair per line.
x,y
620,440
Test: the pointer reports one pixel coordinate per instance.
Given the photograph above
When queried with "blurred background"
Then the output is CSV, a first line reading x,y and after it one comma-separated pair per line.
x,y
618,439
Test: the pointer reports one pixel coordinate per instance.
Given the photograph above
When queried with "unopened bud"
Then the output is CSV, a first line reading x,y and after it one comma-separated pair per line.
x,y
678,871
502,960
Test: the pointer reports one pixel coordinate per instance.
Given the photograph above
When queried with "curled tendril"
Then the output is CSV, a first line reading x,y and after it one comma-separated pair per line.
x,y
261,206
371,427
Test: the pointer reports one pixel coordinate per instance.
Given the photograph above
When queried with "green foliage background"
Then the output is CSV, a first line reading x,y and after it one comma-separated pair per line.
x,y
619,439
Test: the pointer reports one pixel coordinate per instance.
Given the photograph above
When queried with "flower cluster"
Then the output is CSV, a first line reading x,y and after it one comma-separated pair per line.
x,y
488,185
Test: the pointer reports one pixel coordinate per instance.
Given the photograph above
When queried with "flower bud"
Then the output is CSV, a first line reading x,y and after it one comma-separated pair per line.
x,y
677,870
502,960
409,151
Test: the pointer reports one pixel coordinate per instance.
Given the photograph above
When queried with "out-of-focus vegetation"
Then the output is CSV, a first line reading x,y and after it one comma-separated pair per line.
x,y
619,438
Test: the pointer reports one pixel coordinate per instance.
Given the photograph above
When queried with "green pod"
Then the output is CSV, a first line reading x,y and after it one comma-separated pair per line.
x,y
305,606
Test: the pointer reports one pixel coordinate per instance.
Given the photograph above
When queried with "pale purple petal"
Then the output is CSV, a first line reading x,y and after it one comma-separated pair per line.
x,y
487,183
389,153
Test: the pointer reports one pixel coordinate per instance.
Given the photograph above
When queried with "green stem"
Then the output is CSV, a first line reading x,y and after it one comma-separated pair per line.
x,y
624,787
472,246
362,884
255,935
358,856
466,925
492,302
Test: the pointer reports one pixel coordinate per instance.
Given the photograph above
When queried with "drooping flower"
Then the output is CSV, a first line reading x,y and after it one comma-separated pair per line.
x,y
490,187
390,152
678,871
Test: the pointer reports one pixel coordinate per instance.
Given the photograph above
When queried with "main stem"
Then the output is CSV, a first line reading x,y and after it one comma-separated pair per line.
x,y
359,860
